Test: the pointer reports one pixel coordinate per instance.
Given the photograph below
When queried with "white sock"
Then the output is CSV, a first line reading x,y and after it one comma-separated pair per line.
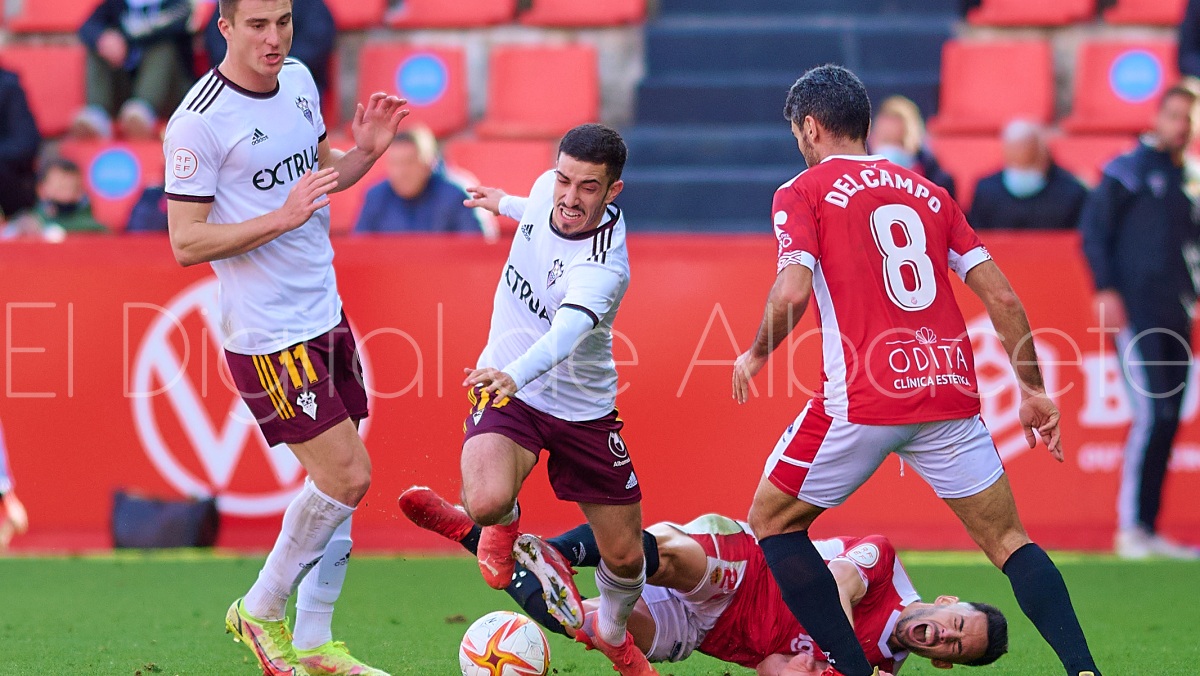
x,y
308,524
320,590
618,596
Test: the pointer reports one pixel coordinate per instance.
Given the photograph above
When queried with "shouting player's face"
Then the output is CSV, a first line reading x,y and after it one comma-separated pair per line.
x,y
947,632
581,192
259,36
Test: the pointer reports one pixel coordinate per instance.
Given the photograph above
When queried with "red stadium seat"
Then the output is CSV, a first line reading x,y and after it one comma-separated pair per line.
x,y
1031,12
1085,156
50,16
451,13
115,175
357,14
980,93
1150,12
52,76
1118,84
511,165
573,13
968,159
433,79
540,92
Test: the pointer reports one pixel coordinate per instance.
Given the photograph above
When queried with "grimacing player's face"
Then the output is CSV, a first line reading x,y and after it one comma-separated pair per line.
x,y
581,192
949,632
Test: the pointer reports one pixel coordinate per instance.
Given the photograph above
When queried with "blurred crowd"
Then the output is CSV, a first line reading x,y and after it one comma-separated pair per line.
x,y
143,55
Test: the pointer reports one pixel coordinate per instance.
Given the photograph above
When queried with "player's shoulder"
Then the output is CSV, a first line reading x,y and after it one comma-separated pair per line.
x,y
1127,169
543,186
872,551
792,184
297,73
606,244
193,124
205,97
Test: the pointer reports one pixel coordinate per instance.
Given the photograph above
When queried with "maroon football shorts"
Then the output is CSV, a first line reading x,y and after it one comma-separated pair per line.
x,y
588,460
300,392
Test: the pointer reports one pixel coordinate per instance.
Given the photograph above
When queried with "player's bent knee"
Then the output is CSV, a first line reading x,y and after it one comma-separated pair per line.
x,y
766,523
626,561
627,567
488,508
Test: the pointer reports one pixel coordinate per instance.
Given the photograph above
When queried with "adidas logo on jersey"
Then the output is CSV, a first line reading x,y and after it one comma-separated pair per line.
x,y
258,137
632,483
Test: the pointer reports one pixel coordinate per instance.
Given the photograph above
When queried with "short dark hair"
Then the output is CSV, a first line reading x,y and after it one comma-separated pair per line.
x,y
597,144
227,8
833,96
60,163
1180,90
997,633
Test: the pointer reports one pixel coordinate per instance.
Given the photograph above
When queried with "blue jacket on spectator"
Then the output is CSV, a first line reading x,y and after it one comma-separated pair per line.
x,y
1056,206
1141,237
150,212
439,208
19,141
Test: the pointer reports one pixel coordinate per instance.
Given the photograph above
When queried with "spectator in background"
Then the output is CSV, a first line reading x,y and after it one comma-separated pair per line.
x,y
416,197
62,205
312,39
13,519
1189,41
150,212
1142,242
1031,192
898,133
139,60
19,140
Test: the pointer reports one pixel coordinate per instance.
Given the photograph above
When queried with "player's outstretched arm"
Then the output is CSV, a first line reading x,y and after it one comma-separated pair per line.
x,y
373,129
570,325
785,306
496,201
195,240
1038,413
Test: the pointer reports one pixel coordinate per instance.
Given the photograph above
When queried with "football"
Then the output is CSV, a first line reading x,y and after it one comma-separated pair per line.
x,y
504,643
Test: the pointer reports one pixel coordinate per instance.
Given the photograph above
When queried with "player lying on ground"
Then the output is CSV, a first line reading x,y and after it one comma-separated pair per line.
x,y
709,590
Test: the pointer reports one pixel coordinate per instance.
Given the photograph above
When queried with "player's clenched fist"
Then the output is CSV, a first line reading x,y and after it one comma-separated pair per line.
x,y
309,194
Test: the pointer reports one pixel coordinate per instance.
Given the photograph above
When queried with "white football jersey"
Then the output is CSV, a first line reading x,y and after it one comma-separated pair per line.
x,y
547,271
243,151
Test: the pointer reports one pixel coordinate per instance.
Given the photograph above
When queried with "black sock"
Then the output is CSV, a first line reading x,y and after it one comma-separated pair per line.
x,y
812,595
1044,599
579,547
650,547
527,592
471,541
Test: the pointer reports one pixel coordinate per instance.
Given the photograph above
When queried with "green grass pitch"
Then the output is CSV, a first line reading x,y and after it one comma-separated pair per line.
x,y
163,614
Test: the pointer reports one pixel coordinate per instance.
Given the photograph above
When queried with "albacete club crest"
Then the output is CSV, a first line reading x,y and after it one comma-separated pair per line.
x,y
556,271
302,104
